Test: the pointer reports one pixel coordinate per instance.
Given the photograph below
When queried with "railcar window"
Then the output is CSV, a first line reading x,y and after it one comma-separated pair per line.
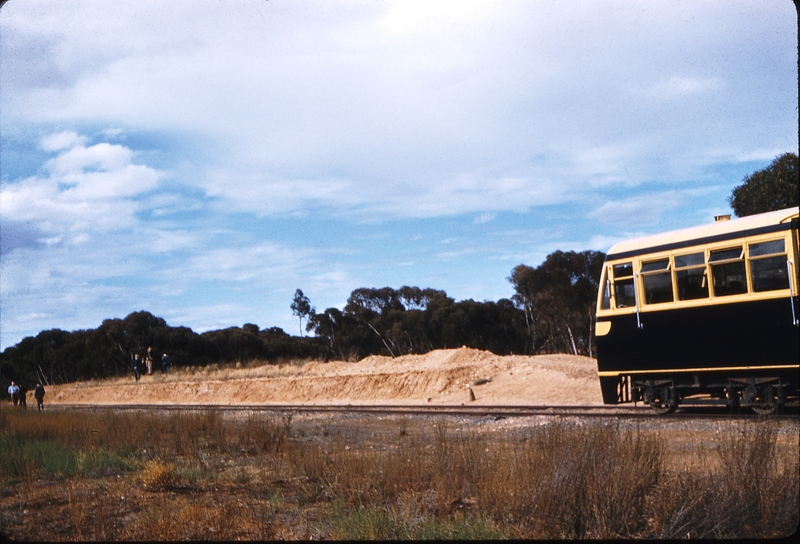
x,y
655,265
623,293
623,270
605,302
657,288
693,259
624,296
725,254
767,248
727,270
768,272
657,281
690,276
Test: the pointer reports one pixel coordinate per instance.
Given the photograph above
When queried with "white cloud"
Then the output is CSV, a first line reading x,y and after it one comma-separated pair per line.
x,y
89,190
268,195
102,156
62,140
256,264
423,109
647,210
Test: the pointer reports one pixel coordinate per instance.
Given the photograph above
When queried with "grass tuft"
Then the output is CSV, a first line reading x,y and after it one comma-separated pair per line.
x,y
158,475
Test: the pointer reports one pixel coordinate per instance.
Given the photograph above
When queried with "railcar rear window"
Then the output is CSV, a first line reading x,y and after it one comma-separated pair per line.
x,y
623,270
624,295
605,302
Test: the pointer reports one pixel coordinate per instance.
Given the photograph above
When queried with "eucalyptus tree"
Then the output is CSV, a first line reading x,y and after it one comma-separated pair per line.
x,y
301,307
558,298
772,188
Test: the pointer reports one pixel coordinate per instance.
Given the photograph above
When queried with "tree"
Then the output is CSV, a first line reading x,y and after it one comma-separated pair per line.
x,y
301,307
558,298
773,188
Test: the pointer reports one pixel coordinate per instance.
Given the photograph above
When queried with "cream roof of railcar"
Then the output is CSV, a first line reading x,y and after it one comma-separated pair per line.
x,y
718,228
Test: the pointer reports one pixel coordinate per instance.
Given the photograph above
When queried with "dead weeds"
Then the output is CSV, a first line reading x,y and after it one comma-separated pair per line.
x,y
206,476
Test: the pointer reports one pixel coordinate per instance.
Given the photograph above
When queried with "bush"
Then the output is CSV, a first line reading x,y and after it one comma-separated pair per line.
x,y
158,475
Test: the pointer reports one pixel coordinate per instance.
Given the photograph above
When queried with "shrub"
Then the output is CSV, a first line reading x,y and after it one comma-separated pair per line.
x,y
158,475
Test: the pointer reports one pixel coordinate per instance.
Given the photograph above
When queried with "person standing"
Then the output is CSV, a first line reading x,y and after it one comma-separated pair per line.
x,y
23,395
136,366
149,360
13,390
165,363
38,393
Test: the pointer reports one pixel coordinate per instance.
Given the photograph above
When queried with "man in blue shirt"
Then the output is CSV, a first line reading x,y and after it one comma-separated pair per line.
x,y
13,390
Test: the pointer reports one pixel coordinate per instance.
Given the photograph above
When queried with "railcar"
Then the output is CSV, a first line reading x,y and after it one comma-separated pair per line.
x,y
703,315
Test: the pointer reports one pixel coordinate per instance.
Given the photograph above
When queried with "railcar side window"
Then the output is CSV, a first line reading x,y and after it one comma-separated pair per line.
x,y
725,254
624,295
690,276
767,270
767,248
727,270
657,281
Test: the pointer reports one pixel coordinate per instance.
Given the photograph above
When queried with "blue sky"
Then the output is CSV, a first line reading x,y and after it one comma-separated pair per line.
x,y
202,159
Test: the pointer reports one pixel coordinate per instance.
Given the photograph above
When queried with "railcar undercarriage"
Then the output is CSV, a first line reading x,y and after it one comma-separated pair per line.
x,y
764,395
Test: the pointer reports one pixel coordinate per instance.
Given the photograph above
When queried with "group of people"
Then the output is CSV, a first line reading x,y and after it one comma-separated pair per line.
x,y
19,393
136,363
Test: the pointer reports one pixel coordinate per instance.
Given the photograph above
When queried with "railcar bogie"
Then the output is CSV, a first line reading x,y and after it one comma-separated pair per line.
x,y
763,394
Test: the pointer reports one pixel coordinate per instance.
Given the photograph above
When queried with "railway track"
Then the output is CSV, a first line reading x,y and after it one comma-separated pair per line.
x,y
498,411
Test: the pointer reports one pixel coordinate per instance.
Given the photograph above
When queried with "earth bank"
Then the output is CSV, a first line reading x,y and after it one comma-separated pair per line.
x,y
439,377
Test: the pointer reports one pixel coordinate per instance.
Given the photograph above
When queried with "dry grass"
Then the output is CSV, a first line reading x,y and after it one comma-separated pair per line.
x,y
148,476
214,371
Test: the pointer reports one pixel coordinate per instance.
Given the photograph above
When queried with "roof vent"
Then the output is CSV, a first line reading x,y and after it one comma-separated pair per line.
x,y
725,217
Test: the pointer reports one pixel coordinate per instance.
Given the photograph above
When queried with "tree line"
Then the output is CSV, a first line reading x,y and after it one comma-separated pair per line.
x,y
57,356
551,311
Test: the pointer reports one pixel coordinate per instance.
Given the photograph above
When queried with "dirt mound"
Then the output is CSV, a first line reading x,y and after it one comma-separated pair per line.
x,y
439,377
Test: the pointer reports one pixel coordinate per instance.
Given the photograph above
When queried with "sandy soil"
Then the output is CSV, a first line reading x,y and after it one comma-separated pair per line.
x,y
439,377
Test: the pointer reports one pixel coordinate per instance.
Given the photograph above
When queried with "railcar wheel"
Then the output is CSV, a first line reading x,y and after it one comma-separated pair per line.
x,y
767,404
749,394
666,402
765,409
663,408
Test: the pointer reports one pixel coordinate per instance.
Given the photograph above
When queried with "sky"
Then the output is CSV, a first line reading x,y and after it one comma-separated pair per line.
x,y
203,159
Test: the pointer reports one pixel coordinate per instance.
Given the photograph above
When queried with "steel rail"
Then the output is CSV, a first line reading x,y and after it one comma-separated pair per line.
x,y
625,412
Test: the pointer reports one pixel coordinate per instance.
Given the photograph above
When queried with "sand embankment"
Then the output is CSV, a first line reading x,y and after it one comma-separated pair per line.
x,y
439,377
